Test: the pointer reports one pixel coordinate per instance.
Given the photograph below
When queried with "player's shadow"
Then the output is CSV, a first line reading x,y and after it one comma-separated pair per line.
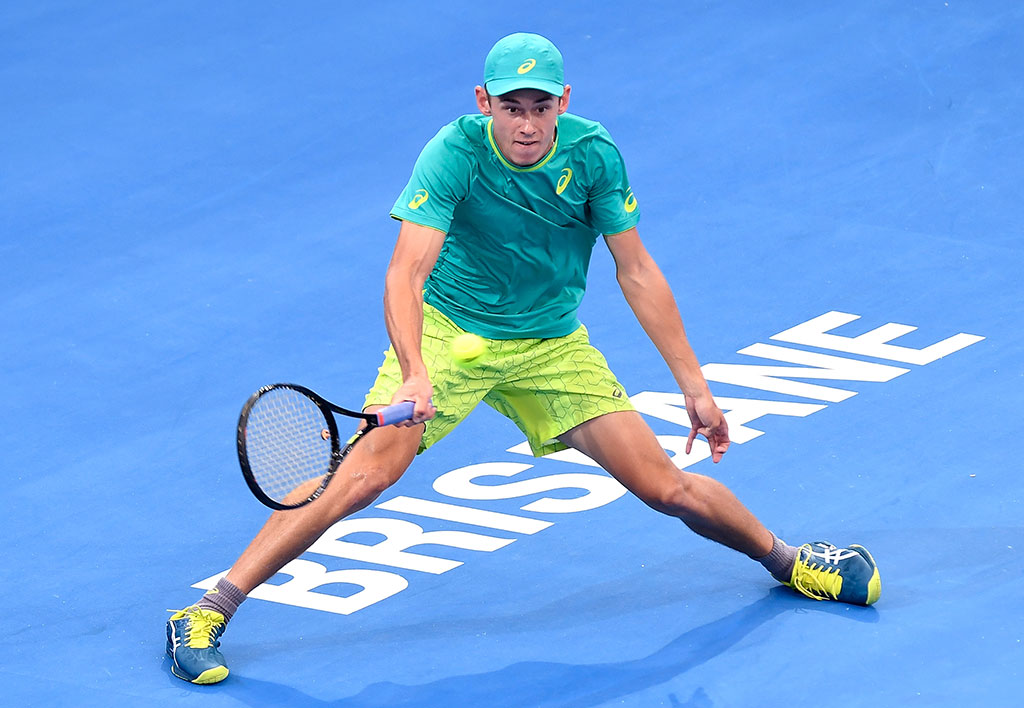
x,y
549,684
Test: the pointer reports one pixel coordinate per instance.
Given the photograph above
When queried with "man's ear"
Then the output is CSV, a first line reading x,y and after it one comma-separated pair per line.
x,y
563,101
483,100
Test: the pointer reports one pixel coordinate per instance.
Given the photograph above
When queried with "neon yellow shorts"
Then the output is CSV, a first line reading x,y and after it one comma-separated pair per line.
x,y
545,386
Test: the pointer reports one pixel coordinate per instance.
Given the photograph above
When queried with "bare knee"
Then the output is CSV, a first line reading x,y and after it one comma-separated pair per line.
x,y
367,483
675,496
354,489
371,468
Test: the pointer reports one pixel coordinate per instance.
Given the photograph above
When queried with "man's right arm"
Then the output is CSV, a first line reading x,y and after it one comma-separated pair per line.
x,y
415,254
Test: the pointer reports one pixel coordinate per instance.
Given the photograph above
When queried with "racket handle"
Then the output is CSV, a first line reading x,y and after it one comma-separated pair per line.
x,y
396,413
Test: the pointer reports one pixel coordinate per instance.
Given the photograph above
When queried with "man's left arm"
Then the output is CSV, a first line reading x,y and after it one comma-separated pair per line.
x,y
651,299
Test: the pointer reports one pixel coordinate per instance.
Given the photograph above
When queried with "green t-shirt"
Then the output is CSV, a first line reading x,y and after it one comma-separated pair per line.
x,y
515,258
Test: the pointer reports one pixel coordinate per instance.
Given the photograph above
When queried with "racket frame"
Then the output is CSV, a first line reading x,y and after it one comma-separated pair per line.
x,y
388,415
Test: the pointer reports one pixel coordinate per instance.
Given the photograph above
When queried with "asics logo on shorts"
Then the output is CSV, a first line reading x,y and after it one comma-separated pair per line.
x,y
419,198
563,181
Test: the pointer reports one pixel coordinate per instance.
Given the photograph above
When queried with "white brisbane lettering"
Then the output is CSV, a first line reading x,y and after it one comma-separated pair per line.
x,y
375,585
738,411
398,536
464,515
460,483
814,333
393,538
675,445
574,456
670,406
775,378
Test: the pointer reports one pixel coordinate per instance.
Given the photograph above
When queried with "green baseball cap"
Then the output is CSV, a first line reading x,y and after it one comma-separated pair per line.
x,y
524,60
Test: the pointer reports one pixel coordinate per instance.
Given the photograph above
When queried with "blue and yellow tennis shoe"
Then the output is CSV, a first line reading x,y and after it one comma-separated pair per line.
x,y
826,572
193,635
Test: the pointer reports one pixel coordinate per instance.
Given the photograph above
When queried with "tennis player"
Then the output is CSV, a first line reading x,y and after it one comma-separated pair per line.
x,y
497,227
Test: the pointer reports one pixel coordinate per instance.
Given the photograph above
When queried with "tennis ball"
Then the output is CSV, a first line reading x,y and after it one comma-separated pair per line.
x,y
469,350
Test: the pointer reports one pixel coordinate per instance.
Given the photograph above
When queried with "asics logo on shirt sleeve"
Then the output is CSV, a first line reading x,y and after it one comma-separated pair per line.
x,y
421,196
526,66
563,181
630,204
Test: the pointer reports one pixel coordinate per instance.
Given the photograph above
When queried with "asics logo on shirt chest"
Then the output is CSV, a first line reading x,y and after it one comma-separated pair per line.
x,y
563,180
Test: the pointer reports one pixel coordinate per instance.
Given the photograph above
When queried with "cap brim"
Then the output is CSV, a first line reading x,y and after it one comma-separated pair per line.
x,y
499,87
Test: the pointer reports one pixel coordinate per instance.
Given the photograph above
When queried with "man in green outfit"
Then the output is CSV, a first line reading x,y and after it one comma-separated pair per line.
x,y
497,227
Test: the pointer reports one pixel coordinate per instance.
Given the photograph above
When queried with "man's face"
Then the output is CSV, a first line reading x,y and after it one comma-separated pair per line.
x,y
524,122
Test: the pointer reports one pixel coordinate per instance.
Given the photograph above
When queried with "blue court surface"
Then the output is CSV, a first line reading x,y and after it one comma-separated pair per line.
x,y
194,202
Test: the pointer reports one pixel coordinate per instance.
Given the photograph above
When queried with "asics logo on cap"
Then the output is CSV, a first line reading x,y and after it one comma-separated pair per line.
x,y
421,196
524,60
526,66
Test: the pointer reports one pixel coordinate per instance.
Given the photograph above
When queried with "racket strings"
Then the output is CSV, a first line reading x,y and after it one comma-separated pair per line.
x,y
287,443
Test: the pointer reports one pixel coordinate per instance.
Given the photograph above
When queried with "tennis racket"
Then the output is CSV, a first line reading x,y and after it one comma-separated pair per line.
x,y
288,443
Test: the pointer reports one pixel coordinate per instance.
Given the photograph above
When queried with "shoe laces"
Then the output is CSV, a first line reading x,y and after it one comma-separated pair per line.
x,y
204,627
816,580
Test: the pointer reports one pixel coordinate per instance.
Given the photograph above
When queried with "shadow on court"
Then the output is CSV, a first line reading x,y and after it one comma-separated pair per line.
x,y
565,685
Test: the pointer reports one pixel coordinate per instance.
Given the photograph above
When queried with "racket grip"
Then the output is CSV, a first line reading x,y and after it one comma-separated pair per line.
x,y
396,413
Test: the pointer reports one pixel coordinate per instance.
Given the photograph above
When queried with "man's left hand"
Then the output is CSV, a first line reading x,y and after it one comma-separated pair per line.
x,y
707,419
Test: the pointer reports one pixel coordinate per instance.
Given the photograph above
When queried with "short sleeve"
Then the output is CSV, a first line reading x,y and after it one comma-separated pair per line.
x,y
440,180
611,203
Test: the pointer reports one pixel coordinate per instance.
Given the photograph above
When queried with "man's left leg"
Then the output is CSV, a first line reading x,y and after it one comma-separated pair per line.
x,y
624,445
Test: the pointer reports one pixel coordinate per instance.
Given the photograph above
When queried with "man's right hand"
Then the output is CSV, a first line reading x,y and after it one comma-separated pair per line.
x,y
418,390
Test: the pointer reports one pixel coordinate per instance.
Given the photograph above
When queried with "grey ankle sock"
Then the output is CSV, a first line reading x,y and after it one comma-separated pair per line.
x,y
780,560
223,597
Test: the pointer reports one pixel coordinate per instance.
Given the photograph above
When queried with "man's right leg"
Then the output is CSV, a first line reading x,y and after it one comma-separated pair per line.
x,y
372,466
